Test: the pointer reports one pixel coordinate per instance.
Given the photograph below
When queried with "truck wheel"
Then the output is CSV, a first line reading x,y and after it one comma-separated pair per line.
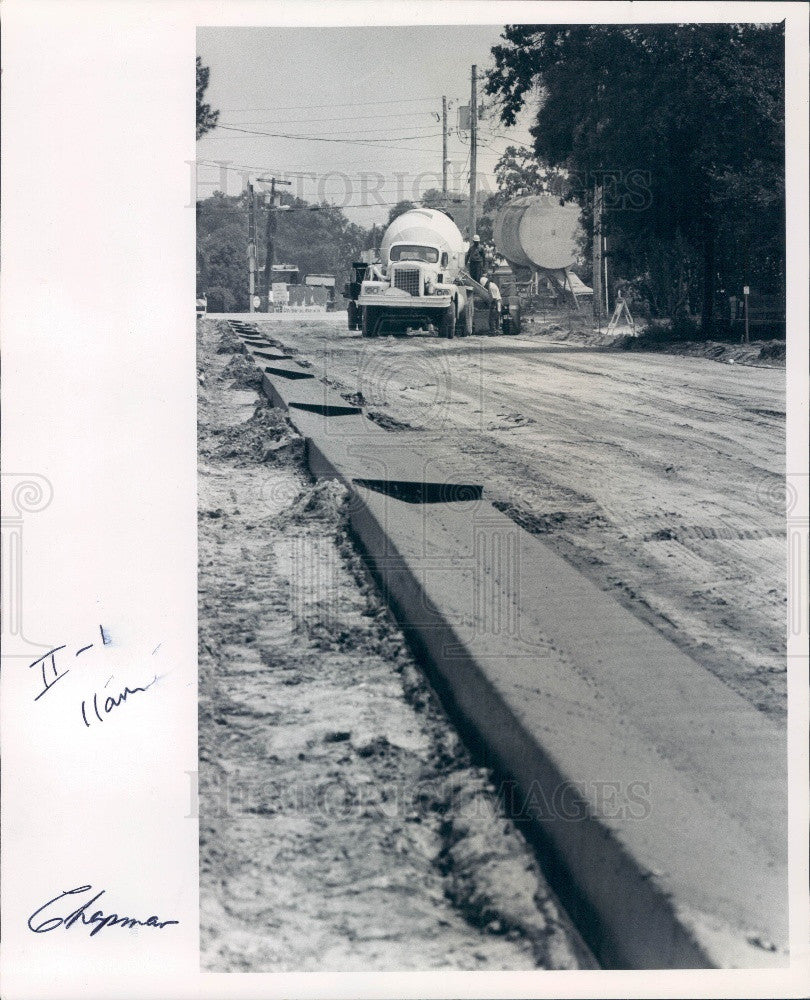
x,y
370,321
447,325
352,315
469,317
514,328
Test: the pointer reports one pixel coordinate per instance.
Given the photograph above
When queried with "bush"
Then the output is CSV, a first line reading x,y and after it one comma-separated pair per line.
x,y
221,300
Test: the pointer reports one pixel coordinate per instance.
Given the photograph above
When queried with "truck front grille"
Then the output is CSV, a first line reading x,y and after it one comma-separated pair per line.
x,y
407,278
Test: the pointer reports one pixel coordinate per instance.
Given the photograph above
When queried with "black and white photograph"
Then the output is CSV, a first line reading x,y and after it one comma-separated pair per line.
x,y
425,616
492,553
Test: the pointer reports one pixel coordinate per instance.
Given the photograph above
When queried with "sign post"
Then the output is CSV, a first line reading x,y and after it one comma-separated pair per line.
x,y
746,291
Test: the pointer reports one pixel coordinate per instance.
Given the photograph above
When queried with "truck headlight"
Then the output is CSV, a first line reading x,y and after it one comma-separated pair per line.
x,y
372,290
442,291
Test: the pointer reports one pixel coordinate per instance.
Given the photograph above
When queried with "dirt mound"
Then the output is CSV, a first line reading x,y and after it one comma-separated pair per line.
x,y
262,438
545,523
353,398
389,423
323,502
714,350
241,373
229,343
774,351
660,343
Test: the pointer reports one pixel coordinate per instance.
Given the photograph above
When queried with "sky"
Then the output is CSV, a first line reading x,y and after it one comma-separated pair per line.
x,y
374,93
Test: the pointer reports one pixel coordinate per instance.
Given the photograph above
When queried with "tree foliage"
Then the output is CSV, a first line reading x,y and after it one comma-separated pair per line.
x,y
684,124
457,206
320,241
207,118
399,209
222,261
518,172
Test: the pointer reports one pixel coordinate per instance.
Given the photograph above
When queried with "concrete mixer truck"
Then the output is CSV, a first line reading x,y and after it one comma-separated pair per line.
x,y
419,280
541,234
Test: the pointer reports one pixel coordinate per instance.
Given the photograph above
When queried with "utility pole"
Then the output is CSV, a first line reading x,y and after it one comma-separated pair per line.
x,y
597,254
444,146
473,148
270,238
270,243
251,244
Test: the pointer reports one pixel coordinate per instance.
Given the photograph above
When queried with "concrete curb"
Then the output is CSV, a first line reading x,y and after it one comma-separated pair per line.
x,y
657,794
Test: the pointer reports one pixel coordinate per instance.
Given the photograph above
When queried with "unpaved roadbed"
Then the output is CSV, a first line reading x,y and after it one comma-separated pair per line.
x,y
659,477
342,823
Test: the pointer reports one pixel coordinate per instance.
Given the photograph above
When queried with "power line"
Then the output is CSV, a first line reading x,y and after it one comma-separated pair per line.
x,y
355,131
337,104
354,142
340,118
314,138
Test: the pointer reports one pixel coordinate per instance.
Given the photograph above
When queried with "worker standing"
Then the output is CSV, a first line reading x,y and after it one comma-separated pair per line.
x,y
475,259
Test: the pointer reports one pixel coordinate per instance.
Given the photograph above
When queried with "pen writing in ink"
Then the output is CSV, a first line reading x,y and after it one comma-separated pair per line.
x,y
112,701
50,672
98,920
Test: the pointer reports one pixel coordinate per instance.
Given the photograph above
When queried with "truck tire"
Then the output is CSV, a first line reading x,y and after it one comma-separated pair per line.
x,y
447,324
469,317
352,316
370,321
514,327
510,322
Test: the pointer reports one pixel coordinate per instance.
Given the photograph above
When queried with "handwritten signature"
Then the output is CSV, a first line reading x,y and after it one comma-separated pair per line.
x,y
98,920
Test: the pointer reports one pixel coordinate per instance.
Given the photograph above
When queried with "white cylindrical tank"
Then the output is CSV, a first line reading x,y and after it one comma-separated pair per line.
x,y
537,231
425,227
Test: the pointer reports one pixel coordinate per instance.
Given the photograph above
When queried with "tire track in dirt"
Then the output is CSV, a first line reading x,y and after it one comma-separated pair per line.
x,y
670,446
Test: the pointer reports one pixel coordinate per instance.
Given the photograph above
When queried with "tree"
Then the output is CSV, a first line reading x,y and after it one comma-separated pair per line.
x,y
320,241
684,125
222,261
206,117
317,239
519,172
457,206
449,202
224,252
399,209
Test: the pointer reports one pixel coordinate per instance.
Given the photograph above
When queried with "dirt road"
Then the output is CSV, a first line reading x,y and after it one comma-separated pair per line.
x,y
342,824
660,477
